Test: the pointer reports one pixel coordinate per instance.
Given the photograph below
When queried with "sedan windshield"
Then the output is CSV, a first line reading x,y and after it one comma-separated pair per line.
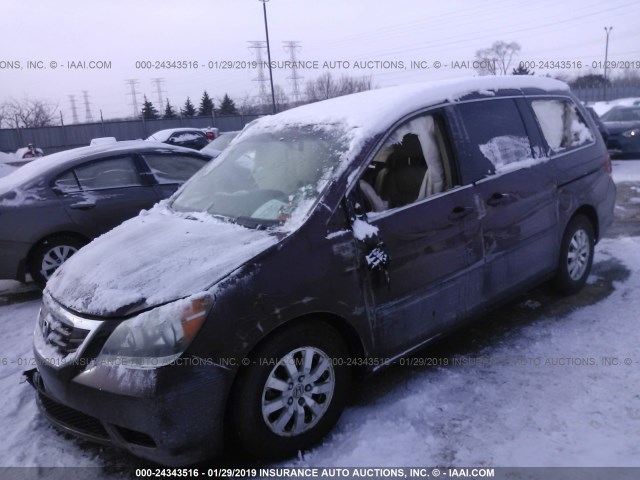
x,y
266,177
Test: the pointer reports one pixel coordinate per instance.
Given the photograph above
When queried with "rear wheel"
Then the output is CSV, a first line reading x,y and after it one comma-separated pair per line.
x,y
576,255
292,393
50,254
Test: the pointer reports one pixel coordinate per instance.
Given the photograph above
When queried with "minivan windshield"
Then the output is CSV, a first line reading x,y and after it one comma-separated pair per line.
x,y
266,177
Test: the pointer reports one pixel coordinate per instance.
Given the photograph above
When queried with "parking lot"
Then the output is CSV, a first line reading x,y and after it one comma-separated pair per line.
x,y
543,380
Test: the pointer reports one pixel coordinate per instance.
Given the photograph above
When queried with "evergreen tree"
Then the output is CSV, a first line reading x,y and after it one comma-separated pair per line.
x,y
149,112
206,105
169,112
228,106
520,70
188,110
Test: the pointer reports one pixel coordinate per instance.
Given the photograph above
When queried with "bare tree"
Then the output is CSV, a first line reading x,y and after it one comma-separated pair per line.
x,y
248,106
496,59
326,86
4,117
28,113
282,100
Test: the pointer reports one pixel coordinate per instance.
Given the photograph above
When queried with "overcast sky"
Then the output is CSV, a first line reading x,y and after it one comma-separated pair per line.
x,y
125,31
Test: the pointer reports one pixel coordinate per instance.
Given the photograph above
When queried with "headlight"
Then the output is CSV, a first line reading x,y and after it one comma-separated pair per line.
x,y
635,133
157,337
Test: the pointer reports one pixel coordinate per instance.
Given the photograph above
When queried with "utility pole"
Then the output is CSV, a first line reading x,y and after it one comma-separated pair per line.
x,y
606,57
295,78
74,111
134,101
266,31
159,82
87,109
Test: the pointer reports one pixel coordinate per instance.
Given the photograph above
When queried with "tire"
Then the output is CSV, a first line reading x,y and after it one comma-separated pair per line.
x,y
576,255
50,254
274,411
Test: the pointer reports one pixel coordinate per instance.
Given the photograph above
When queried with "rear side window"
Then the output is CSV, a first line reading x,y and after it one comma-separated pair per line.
x,y
173,168
496,138
562,125
111,173
187,136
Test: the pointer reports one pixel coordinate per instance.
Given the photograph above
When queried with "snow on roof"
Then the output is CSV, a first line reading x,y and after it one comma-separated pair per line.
x,y
371,112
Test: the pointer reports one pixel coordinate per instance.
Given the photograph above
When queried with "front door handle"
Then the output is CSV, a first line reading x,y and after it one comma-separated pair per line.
x,y
82,205
497,198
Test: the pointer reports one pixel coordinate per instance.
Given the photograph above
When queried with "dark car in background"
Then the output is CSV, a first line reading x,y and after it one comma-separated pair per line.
x,y
54,205
602,128
194,138
326,241
623,125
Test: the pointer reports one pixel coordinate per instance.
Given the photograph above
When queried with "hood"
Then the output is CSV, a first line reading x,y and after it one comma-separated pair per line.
x,y
154,258
619,127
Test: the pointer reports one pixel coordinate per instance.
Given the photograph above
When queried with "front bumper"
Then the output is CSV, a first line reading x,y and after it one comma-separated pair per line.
x,y
620,146
172,415
170,419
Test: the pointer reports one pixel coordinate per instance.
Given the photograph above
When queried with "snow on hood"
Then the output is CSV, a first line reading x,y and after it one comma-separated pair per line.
x,y
154,258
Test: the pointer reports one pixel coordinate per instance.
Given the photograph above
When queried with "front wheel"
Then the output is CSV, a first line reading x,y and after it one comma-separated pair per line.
x,y
292,393
576,255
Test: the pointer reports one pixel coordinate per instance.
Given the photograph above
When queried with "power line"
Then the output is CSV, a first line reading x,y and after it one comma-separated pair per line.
x,y
132,82
158,82
292,47
257,47
87,109
74,111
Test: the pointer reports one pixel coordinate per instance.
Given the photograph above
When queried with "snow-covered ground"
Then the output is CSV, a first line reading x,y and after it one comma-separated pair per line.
x,y
532,392
553,404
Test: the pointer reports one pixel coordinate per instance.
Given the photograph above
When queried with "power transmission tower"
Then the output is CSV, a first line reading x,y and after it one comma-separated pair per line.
x,y
292,47
258,47
87,109
134,100
74,111
159,82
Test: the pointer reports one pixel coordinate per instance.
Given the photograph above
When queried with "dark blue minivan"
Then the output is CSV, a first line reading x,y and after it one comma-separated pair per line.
x,y
323,243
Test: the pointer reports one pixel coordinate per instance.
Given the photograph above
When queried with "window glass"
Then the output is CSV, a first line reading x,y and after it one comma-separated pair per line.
x,y
66,183
173,168
267,177
112,173
186,136
496,138
562,125
410,166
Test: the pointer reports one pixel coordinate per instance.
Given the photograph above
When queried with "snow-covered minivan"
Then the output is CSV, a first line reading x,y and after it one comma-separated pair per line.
x,y
325,242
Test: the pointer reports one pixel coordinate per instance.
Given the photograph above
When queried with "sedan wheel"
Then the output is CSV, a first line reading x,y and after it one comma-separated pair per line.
x,y
47,257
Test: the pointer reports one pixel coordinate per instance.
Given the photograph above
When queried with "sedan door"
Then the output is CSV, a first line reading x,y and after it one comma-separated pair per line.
x,y
101,194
